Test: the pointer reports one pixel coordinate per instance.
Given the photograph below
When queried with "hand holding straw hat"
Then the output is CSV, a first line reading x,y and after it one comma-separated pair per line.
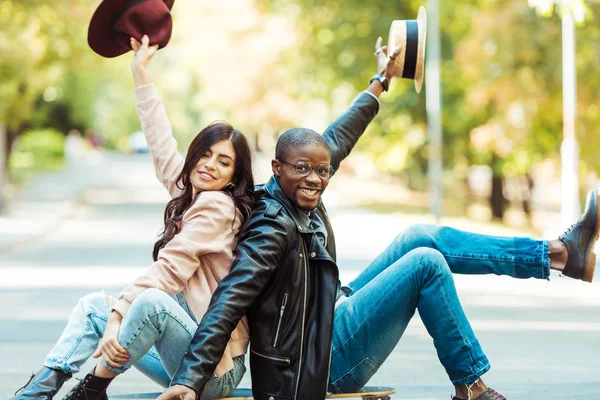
x,y
115,21
410,37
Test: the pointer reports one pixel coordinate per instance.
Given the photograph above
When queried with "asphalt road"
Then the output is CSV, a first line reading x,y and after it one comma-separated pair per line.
x,y
543,338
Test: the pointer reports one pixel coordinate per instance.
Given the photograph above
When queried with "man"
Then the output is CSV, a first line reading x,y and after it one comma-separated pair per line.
x,y
308,335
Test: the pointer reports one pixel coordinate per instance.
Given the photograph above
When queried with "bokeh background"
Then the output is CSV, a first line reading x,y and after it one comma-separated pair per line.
x,y
80,208
268,65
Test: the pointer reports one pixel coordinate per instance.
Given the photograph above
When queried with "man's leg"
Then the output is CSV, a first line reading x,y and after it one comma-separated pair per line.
x,y
369,324
465,253
519,257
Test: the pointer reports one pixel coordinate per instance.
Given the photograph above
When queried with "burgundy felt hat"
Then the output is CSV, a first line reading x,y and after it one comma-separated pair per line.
x,y
115,21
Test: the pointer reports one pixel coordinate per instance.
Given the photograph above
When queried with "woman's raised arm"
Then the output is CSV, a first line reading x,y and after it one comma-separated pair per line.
x,y
168,163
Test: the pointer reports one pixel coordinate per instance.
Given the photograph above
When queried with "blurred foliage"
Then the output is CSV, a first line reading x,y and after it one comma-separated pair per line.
x,y
37,150
266,65
50,78
501,79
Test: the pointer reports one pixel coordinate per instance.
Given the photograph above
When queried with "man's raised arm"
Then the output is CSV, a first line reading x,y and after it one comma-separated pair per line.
x,y
344,132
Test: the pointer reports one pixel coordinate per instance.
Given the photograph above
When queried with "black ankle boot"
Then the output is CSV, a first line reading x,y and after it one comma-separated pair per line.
x,y
43,385
90,388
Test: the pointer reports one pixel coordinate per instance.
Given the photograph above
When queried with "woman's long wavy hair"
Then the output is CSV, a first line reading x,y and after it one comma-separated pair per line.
x,y
242,191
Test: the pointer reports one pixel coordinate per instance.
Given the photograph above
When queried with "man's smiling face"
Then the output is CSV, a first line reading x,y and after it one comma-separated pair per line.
x,y
304,191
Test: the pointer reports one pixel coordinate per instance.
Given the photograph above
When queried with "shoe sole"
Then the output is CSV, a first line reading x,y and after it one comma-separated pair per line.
x,y
590,266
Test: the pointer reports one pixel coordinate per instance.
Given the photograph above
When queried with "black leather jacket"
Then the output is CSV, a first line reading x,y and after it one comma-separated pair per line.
x,y
287,283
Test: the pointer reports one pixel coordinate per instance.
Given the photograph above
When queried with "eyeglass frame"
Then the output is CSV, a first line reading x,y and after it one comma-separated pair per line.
x,y
331,169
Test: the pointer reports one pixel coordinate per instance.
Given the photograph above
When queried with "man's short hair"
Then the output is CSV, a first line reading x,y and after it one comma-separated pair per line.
x,y
297,137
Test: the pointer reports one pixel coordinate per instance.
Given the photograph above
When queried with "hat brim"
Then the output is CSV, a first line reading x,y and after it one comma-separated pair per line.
x,y
398,36
100,32
420,70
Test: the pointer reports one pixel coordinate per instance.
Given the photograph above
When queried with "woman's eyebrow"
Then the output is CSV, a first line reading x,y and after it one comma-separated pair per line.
x,y
225,155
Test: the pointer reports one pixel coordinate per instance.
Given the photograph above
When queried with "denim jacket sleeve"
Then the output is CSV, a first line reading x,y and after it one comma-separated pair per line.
x,y
344,132
262,243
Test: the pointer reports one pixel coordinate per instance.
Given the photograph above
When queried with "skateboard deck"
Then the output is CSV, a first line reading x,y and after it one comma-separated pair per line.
x,y
367,393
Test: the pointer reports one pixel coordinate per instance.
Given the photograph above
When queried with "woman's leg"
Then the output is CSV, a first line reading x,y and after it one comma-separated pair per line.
x,y
76,344
466,253
151,365
156,319
81,336
369,324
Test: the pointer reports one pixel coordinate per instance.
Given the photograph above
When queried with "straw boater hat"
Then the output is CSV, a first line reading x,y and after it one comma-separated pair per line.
x,y
411,35
115,21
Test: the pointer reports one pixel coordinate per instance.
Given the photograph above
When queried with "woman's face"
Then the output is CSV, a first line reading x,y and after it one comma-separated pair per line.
x,y
215,168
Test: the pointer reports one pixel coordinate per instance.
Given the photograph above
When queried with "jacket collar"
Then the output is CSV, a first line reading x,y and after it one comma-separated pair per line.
x,y
299,217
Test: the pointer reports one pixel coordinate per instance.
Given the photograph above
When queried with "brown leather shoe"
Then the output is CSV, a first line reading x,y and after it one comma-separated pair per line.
x,y
489,394
580,239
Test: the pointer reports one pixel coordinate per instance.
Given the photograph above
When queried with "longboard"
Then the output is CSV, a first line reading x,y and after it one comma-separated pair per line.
x,y
367,393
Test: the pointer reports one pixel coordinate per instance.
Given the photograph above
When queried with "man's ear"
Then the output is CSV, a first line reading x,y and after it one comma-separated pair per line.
x,y
275,166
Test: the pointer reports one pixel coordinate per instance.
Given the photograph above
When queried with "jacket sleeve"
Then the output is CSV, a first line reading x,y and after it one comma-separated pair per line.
x,y
261,246
344,132
168,163
206,227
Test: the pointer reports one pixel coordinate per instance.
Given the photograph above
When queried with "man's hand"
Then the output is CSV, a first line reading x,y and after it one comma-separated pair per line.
x,y
109,347
385,62
178,392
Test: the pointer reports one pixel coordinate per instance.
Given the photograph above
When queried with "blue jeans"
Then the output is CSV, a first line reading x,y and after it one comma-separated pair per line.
x,y
415,272
156,331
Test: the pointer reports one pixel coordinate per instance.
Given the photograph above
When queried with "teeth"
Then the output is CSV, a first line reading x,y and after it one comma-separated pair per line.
x,y
309,192
205,175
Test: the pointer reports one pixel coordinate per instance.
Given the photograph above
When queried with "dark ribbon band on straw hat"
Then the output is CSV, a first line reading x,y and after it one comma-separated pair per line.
x,y
127,6
412,49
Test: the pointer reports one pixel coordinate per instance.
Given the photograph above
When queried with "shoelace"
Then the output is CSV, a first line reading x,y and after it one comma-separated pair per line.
x,y
77,389
25,385
569,229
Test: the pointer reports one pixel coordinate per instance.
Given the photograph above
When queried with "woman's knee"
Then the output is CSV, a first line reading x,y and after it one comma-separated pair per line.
x,y
150,299
94,303
416,236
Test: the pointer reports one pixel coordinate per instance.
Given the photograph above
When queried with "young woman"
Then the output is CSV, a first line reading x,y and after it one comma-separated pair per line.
x,y
212,192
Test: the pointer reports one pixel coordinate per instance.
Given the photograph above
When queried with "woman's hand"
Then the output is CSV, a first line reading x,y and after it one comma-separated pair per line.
x,y
109,347
143,54
385,62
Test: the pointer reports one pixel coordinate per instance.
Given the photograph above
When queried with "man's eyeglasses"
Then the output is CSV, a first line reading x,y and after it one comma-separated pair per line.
x,y
303,168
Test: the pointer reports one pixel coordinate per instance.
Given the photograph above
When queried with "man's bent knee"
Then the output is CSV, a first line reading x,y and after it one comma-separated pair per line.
x,y
416,236
430,262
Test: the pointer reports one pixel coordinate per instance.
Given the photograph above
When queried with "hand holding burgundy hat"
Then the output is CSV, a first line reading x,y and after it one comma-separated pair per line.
x,y
115,21
143,54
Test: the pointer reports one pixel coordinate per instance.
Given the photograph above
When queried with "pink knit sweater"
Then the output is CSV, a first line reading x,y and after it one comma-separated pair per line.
x,y
201,254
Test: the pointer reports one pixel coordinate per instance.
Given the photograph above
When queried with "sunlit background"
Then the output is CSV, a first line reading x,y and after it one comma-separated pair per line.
x,y
269,65
80,207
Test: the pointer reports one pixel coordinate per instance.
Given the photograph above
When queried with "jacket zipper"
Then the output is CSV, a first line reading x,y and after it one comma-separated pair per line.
x,y
280,359
283,303
303,318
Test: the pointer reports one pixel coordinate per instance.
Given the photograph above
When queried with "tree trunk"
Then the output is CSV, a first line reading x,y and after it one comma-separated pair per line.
x,y
497,200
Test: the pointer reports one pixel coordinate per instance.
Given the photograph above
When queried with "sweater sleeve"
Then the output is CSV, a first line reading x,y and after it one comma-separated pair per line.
x,y
168,163
206,229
